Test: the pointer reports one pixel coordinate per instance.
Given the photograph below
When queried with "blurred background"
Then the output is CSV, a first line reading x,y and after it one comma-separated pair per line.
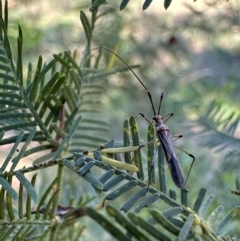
x,y
197,40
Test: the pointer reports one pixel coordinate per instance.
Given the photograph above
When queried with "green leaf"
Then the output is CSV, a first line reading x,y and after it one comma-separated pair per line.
x,y
136,142
30,189
144,225
35,83
186,228
227,219
62,61
86,26
123,4
96,4
146,4
167,3
4,183
158,216
199,200
126,141
122,220
105,223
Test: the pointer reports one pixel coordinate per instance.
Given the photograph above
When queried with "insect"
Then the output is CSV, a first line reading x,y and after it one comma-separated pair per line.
x,y
163,133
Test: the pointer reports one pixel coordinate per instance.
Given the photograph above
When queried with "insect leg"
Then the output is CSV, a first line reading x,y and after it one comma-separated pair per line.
x,y
193,160
143,116
167,117
177,137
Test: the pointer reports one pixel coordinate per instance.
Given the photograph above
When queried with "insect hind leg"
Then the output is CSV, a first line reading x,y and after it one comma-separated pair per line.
x,y
143,116
193,160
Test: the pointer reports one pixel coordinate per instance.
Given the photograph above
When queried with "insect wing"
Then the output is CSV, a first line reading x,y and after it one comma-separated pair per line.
x,y
165,138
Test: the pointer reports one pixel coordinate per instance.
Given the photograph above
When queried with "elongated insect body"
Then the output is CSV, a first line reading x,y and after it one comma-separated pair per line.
x,y
165,138
163,133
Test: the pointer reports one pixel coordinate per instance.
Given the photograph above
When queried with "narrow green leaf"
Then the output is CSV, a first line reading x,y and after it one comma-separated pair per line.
x,y
147,202
96,4
69,96
184,197
65,141
15,104
186,228
113,182
69,164
46,90
199,200
21,153
123,221
29,198
80,161
48,97
29,78
136,142
1,13
106,176
119,191
37,149
76,80
45,195
18,233
158,216
9,203
70,119
6,40
97,155
20,201
82,171
4,59
44,158
2,204
205,205
62,61
28,186
107,224
8,233
15,115
8,77
172,212
8,87
94,181
172,194
123,4
5,184
73,62
238,183
49,204
227,219
18,126
155,232
150,155
146,4
58,130
12,151
46,68
126,141
6,68
19,62
86,24
167,3
134,199
6,14
35,83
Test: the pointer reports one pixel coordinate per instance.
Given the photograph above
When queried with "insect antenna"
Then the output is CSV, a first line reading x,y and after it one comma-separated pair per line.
x,y
161,96
148,92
